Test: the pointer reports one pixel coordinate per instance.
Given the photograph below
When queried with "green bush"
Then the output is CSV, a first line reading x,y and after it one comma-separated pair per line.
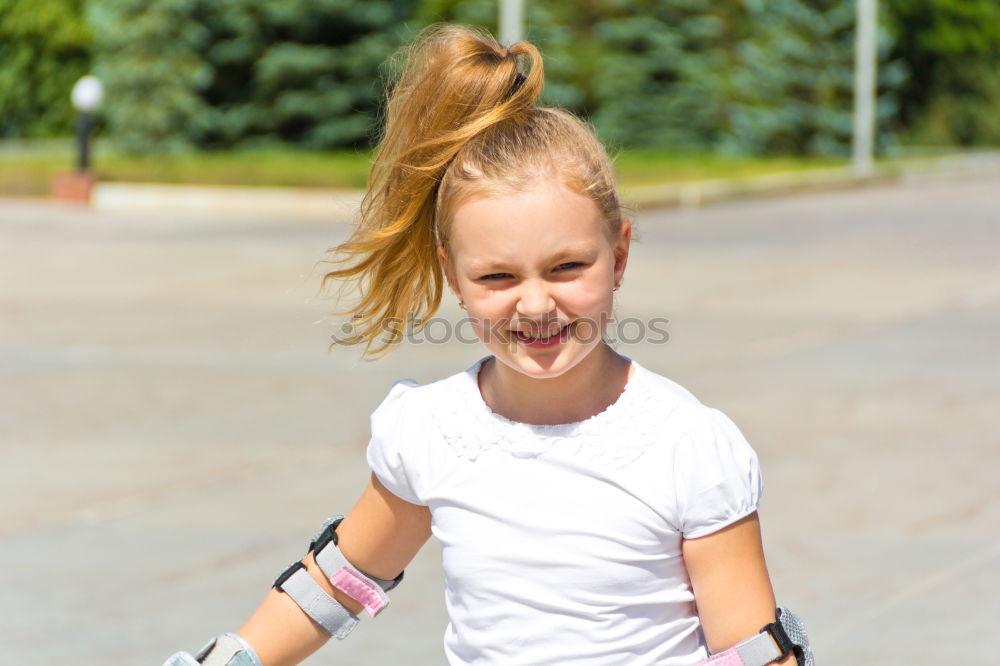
x,y
43,51
953,50
740,76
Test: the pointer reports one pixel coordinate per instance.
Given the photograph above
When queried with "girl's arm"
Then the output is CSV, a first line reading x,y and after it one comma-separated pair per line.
x,y
731,586
380,536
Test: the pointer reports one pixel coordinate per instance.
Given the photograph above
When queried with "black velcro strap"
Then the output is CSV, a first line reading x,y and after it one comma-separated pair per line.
x,y
286,574
781,639
323,539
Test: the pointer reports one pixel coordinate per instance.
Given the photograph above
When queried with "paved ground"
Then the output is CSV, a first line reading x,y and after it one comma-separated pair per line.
x,y
172,428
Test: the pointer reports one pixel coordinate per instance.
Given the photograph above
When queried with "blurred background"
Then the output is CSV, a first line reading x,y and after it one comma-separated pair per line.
x,y
173,426
287,92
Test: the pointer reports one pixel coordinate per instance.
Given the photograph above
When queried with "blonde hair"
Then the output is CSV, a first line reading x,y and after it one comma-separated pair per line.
x,y
461,122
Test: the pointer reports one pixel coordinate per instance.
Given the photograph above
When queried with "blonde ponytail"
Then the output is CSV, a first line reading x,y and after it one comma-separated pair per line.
x,y
455,83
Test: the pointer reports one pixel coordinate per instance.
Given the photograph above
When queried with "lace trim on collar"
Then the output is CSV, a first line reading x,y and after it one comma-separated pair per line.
x,y
614,437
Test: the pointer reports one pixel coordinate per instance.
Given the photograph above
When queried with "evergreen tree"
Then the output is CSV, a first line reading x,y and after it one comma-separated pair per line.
x,y
300,71
222,73
644,71
149,55
553,27
742,76
43,51
664,79
793,85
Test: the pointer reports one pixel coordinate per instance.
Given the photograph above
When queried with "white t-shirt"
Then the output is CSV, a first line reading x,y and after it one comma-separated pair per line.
x,y
562,544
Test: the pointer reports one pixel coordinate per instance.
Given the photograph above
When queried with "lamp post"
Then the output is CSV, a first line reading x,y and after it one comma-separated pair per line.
x,y
86,97
511,21
78,185
865,64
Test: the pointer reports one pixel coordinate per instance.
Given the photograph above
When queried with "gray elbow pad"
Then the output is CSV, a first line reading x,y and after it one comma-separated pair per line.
x,y
324,610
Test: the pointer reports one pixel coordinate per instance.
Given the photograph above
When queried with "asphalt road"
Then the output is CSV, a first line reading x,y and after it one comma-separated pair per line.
x,y
172,428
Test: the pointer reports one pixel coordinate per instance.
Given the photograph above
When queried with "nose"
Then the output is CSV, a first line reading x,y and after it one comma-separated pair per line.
x,y
534,300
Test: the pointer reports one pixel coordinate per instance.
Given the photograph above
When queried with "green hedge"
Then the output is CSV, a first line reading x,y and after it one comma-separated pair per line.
x,y
731,76
44,49
953,51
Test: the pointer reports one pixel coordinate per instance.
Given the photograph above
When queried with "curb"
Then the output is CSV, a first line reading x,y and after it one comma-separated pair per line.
x,y
696,193
340,206
296,203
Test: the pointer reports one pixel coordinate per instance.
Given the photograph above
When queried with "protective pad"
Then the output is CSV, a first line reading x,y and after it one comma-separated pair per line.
x,y
228,650
366,590
324,610
223,650
181,659
769,645
796,630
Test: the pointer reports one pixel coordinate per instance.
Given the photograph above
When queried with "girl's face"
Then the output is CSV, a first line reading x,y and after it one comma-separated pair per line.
x,y
536,270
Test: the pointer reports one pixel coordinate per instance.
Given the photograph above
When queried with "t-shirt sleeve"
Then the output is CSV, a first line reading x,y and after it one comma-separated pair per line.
x,y
392,433
716,475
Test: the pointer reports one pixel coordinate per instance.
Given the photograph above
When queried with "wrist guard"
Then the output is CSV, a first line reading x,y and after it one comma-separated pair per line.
x,y
224,650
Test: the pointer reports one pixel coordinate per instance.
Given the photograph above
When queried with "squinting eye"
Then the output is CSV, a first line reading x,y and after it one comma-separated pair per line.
x,y
569,265
495,276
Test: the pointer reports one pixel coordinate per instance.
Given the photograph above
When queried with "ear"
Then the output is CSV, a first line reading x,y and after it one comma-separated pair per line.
x,y
447,269
621,248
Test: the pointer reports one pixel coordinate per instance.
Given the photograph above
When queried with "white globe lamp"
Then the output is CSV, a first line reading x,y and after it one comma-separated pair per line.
x,y
86,96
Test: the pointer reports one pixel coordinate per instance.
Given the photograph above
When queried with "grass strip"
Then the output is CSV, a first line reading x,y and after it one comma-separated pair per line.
x,y
28,168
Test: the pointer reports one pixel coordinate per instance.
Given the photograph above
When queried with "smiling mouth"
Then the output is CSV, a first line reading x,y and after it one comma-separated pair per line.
x,y
538,337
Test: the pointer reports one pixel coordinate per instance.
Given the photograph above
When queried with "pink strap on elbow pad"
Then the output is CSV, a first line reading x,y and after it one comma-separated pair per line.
x,y
727,658
368,591
785,636
364,592
768,646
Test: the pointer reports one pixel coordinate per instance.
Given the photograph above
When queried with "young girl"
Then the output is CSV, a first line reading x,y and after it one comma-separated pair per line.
x,y
589,510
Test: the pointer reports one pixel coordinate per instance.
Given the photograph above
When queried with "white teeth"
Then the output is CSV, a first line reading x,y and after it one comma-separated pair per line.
x,y
539,336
